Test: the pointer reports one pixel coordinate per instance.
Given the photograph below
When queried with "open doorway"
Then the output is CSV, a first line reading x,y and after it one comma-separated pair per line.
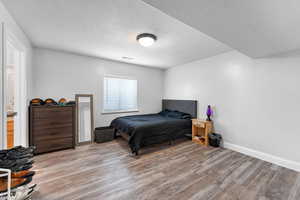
x,y
14,99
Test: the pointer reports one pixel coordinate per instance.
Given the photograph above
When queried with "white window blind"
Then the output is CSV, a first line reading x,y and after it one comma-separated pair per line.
x,y
120,95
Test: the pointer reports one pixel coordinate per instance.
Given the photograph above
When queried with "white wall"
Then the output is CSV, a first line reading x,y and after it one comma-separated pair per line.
x,y
256,101
12,28
59,74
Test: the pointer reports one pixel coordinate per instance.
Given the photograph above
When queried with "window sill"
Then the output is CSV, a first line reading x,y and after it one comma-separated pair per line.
x,y
120,111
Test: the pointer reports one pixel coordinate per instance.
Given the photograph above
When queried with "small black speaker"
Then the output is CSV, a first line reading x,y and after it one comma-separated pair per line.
x,y
215,139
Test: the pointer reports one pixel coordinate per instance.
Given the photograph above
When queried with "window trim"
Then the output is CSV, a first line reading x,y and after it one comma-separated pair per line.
x,y
120,111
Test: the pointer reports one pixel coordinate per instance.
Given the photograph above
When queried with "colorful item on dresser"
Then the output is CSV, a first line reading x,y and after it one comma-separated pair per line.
x,y
37,102
50,101
62,102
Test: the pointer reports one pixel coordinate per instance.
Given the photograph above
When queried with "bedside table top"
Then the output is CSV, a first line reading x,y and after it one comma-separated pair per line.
x,y
201,121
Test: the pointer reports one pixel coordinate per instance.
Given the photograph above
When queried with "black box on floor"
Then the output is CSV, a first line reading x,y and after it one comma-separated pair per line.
x,y
104,134
215,139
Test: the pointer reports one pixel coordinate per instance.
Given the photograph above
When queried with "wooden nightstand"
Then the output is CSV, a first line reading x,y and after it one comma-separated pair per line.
x,y
200,131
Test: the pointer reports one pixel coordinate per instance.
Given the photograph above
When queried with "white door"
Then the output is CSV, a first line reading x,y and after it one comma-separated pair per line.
x,y
14,92
2,118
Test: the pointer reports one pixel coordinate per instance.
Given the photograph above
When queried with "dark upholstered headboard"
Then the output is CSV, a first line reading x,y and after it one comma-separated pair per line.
x,y
186,106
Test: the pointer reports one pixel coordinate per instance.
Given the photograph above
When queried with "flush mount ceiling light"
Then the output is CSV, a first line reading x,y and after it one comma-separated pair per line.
x,y
146,39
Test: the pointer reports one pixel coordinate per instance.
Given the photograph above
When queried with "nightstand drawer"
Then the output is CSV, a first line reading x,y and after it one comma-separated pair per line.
x,y
199,124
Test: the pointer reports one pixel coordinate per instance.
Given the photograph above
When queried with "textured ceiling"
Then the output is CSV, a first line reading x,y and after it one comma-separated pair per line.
x,y
257,28
108,28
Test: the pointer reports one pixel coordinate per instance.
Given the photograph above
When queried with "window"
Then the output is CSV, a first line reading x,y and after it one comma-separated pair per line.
x,y
120,95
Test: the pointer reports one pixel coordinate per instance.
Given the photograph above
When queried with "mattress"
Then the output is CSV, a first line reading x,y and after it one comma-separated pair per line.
x,y
151,128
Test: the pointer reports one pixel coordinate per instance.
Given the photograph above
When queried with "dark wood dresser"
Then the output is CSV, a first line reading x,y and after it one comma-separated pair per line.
x,y
52,128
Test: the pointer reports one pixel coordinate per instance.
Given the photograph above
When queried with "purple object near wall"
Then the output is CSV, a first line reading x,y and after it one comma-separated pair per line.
x,y
209,113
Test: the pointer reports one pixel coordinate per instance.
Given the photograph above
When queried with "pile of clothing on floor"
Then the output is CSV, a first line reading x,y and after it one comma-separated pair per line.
x,y
19,160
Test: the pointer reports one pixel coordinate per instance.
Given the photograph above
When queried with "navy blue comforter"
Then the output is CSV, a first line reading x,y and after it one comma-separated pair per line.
x,y
151,128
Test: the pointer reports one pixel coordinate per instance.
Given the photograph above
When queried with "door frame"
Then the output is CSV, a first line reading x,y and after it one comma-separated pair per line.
x,y
3,141
77,96
20,132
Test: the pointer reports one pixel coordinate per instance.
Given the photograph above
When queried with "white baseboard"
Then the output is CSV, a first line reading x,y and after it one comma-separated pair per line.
x,y
264,156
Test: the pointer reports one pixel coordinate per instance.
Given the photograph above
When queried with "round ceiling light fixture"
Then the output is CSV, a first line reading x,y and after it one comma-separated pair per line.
x,y
146,39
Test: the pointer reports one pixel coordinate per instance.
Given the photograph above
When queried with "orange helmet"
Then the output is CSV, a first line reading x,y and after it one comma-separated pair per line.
x,y
50,102
37,102
62,101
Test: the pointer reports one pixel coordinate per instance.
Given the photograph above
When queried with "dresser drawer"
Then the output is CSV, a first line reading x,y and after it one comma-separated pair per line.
x,y
53,145
58,113
52,133
50,124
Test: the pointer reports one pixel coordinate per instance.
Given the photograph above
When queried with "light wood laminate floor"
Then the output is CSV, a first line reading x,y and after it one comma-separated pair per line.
x,y
179,172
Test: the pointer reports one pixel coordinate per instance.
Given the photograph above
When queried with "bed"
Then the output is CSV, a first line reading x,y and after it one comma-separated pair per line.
x,y
173,122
